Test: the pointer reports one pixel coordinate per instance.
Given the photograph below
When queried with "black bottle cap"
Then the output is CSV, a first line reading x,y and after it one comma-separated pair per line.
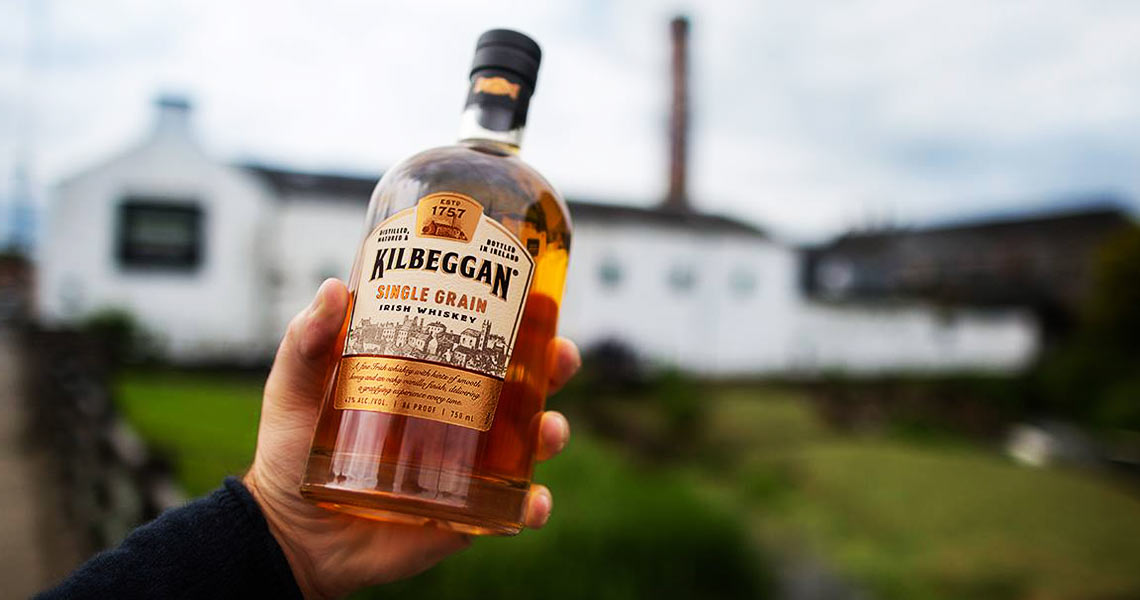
x,y
509,51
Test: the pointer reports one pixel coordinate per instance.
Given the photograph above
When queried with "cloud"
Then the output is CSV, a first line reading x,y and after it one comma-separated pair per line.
x,y
808,116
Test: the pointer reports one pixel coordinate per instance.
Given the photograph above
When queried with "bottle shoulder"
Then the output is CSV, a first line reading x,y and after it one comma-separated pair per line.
x,y
502,182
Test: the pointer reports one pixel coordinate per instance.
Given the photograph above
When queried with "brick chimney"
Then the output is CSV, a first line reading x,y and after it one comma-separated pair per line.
x,y
677,198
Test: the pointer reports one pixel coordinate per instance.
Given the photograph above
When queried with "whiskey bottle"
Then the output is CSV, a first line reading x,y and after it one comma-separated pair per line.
x,y
431,412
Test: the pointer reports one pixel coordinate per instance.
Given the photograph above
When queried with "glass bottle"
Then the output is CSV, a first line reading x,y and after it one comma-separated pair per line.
x,y
431,414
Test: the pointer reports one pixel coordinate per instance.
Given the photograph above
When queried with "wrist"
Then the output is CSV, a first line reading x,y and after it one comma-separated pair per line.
x,y
299,563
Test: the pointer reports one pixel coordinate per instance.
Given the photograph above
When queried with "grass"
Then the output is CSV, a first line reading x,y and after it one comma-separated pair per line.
x,y
762,421
905,518
207,424
950,523
932,520
619,530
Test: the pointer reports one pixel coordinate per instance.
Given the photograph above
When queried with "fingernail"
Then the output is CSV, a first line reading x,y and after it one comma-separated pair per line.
x,y
317,308
565,437
546,505
575,362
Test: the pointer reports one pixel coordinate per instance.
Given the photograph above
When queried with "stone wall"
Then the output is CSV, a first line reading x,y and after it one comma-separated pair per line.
x,y
110,481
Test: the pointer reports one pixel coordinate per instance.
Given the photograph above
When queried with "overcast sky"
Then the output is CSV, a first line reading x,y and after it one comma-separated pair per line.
x,y
808,117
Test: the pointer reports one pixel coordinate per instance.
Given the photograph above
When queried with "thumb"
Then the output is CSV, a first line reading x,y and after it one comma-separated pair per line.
x,y
298,374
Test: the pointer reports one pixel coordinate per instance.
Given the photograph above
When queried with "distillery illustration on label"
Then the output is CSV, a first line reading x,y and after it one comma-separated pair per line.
x,y
442,290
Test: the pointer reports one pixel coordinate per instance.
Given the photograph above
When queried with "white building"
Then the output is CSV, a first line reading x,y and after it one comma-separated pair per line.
x,y
215,258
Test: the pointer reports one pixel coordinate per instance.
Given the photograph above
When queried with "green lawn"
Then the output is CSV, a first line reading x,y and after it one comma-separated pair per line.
x,y
931,520
902,517
206,423
619,530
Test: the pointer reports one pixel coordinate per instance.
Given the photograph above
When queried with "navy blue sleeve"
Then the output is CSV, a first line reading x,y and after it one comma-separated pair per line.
x,y
216,547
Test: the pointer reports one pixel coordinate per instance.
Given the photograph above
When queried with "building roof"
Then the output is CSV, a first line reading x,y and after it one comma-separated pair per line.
x,y
1043,260
660,216
1097,215
289,184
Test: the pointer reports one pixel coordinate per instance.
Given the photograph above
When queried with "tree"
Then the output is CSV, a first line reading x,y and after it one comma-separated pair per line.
x,y
1095,377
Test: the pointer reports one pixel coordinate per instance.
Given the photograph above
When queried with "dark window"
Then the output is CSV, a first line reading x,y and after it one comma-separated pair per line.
x,y
743,282
155,234
682,278
610,273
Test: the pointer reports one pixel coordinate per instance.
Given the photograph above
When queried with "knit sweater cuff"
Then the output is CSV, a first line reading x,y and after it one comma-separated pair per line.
x,y
265,553
219,546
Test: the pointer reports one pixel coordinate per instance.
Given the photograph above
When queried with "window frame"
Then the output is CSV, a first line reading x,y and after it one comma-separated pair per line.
x,y
130,258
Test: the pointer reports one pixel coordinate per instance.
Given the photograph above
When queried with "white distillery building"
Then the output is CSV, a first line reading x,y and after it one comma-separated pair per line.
x,y
215,258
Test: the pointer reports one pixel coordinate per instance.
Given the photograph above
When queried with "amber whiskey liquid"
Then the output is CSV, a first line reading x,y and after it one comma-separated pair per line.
x,y
431,415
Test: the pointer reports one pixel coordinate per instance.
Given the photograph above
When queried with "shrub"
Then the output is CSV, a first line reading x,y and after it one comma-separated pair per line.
x,y
616,532
126,340
1095,377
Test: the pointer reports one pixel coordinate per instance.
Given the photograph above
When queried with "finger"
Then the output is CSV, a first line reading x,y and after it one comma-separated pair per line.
x,y
323,320
303,358
553,433
539,503
565,360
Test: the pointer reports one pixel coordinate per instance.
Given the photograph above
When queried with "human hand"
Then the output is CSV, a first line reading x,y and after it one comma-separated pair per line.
x,y
332,554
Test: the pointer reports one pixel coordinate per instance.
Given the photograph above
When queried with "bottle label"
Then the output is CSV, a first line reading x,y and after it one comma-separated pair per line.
x,y
438,306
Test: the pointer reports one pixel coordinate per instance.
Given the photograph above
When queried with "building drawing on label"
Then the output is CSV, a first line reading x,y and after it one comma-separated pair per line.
x,y
445,230
448,216
414,338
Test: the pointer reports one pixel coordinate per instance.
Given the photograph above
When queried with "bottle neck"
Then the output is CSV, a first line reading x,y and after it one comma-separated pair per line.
x,y
496,109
